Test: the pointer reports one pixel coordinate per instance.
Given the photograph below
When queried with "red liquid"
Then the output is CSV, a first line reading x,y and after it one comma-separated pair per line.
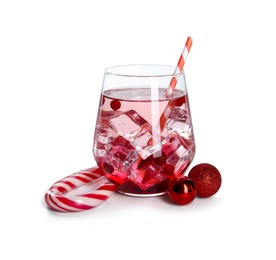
x,y
129,147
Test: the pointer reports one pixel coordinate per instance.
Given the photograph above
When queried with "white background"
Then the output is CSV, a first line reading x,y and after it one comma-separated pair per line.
x,y
52,58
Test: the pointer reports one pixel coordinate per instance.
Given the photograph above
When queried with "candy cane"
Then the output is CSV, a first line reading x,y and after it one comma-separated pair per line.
x,y
56,196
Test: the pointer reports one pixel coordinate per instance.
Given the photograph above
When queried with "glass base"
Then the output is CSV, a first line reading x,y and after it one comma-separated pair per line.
x,y
144,195
130,189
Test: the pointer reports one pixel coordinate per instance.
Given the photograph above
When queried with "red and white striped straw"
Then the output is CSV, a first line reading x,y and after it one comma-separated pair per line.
x,y
180,65
181,62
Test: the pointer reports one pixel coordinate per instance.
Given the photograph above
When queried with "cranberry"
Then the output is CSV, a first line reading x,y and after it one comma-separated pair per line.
x,y
115,104
180,101
168,169
108,168
160,160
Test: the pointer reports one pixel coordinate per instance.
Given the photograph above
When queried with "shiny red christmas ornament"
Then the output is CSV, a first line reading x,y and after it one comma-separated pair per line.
x,y
206,178
182,190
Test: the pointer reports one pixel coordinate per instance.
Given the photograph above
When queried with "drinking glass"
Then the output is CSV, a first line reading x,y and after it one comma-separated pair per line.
x,y
143,137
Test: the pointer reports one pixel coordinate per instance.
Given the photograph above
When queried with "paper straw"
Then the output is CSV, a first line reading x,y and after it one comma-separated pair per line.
x,y
181,62
180,65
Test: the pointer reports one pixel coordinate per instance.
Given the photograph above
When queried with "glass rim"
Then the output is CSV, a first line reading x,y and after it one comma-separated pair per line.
x,y
108,71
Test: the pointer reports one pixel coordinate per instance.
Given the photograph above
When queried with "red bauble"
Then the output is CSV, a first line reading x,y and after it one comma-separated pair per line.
x,y
182,190
206,178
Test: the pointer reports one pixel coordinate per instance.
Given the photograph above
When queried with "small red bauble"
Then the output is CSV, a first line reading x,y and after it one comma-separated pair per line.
x,y
182,190
206,178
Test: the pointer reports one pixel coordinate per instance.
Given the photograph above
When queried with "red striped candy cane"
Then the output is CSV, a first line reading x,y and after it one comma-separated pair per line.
x,y
57,198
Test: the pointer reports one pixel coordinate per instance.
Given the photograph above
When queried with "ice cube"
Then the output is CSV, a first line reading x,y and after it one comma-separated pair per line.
x,y
126,123
121,154
143,141
135,117
112,173
178,152
180,121
104,135
107,115
118,159
146,174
